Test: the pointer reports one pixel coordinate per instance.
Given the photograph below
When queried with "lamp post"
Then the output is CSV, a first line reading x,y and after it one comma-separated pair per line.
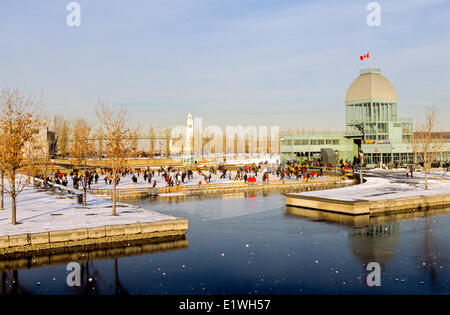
x,y
361,158
53,179
337,154
360,127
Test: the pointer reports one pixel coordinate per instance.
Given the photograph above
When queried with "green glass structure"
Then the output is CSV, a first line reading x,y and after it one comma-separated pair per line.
x,y
372,126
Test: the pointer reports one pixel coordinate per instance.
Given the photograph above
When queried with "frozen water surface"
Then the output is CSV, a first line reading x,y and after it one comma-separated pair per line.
x,y
251,244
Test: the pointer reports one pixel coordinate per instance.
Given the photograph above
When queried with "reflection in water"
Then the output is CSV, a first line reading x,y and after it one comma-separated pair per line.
x,y
90,276
90,280
11,285
259,247
433,260
316,215
377,238
130,248
368,241
119,289
362,220
377,243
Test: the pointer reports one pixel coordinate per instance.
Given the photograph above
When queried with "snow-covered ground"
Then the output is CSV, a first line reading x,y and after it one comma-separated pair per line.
x,y
386,187
39,211
435,172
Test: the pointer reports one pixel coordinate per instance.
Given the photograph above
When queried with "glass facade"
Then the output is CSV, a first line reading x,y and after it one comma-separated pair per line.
x,y
387,137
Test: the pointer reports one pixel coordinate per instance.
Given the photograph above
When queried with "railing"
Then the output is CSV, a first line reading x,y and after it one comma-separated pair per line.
x,y
62,188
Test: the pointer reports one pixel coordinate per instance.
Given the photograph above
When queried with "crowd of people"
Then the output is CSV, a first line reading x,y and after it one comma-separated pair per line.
x,y
176,176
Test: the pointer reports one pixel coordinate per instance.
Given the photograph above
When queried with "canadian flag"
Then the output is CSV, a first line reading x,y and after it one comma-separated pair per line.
x,y
364,56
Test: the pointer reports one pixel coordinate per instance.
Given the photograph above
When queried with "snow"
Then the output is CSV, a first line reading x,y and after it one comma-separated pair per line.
x,y
174,194
383,187
440,172
40,211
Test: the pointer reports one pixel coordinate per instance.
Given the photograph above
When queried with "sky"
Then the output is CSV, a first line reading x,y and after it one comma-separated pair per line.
x,y
251,62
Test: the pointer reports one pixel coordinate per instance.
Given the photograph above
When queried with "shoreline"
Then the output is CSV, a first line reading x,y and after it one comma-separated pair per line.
x,y
47,221
82,237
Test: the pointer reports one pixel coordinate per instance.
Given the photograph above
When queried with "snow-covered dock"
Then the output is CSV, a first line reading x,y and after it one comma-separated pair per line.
x,y
47,221
381,193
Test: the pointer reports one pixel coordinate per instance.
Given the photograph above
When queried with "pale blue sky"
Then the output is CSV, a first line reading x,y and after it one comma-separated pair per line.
x,y
278,62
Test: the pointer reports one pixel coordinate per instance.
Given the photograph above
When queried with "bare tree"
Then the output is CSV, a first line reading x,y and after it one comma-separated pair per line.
x,y
2,174
100,139
2,187
17,125
2,183
427,143
81,151
118,140
38,162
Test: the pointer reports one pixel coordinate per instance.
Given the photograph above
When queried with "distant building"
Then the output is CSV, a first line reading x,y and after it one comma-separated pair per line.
x,y
372,126
43,144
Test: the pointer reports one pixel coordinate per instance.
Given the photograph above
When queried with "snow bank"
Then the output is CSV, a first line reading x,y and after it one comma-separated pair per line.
x,y
42,212
379,188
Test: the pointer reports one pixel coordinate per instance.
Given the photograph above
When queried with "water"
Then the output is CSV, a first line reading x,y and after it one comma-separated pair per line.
x,y
253,244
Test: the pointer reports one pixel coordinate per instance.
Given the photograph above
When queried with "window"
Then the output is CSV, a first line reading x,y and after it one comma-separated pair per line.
x,y
382,127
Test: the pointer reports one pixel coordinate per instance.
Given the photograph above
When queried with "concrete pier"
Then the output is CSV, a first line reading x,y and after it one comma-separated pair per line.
x,y
368,207
31,242
353,207
380,194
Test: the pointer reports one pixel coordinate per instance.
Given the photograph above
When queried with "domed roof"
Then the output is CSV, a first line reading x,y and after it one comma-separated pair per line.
x,y
370,84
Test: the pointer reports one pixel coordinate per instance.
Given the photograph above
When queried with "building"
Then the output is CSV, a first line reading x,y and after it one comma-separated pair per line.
x,y
373,127
43,142
306,145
